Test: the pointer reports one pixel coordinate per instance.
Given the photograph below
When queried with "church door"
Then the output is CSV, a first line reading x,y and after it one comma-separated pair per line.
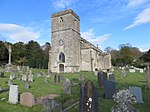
x,y
61,68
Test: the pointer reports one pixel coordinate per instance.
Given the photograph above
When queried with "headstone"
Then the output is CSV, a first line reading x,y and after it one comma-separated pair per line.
x,y
112,78
67,87
109,89
88,98
125,101
11,77
148,77
18,76
27,99
102,77
26,84
57,78
13,94
10,82
81,77
132,70
123,72
141,70
137,92
30,77
39,74
46,79
24,77
51,105
96,73
1,74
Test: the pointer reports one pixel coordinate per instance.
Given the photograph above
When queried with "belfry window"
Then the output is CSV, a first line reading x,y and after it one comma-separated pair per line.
x,y
62,57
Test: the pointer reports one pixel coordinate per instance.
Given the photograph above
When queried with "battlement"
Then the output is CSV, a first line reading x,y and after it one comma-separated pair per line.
x,y
64,12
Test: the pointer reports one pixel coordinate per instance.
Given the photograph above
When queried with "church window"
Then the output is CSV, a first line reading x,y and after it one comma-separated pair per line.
x,y
62,57
61,20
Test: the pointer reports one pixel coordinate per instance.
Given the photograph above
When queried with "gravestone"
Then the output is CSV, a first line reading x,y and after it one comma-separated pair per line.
x,y
137,92
96,72
148,77
123,72
81,77
67,87
1,74
88,98
11,77
51,105
57,78
27,99
46,79
39,74
13,94
10,82
109,89
26,84
141,70
132,70
112,78
24,77
18,76
30,77
102,77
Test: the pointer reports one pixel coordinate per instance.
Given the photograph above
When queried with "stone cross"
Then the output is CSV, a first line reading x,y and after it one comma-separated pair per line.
x,y
13,94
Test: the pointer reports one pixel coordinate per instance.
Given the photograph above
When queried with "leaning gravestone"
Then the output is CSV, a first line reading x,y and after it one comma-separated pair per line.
x,y
88,98
109,89
137,92
67,87
27,99
51,105
102,77
13,94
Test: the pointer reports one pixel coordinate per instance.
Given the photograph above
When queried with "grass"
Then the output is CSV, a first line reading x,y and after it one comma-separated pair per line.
x,y
39,88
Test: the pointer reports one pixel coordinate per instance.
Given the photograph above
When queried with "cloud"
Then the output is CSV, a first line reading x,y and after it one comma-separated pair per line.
x,y
18,33
143,17
90,36
133,3
63,3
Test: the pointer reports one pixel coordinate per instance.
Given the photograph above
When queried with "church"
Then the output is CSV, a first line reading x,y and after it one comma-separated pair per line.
x,y
69,51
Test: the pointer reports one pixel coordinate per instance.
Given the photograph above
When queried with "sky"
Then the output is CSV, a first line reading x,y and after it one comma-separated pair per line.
x,y
107,23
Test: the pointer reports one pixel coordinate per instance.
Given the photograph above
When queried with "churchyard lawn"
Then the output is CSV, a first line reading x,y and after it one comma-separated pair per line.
x,y
38,88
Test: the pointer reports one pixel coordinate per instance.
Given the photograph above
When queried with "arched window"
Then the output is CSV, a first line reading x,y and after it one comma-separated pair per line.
x,y
62,57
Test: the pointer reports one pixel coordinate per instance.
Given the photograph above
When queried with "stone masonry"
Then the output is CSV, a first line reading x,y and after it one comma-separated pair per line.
x,y
69,51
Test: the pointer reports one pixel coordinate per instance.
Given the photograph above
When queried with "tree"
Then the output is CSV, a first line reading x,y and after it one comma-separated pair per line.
x,y
3,53
19,53
34,52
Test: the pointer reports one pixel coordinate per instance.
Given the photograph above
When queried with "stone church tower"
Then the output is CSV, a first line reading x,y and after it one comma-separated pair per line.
x,y
69,51
65,42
